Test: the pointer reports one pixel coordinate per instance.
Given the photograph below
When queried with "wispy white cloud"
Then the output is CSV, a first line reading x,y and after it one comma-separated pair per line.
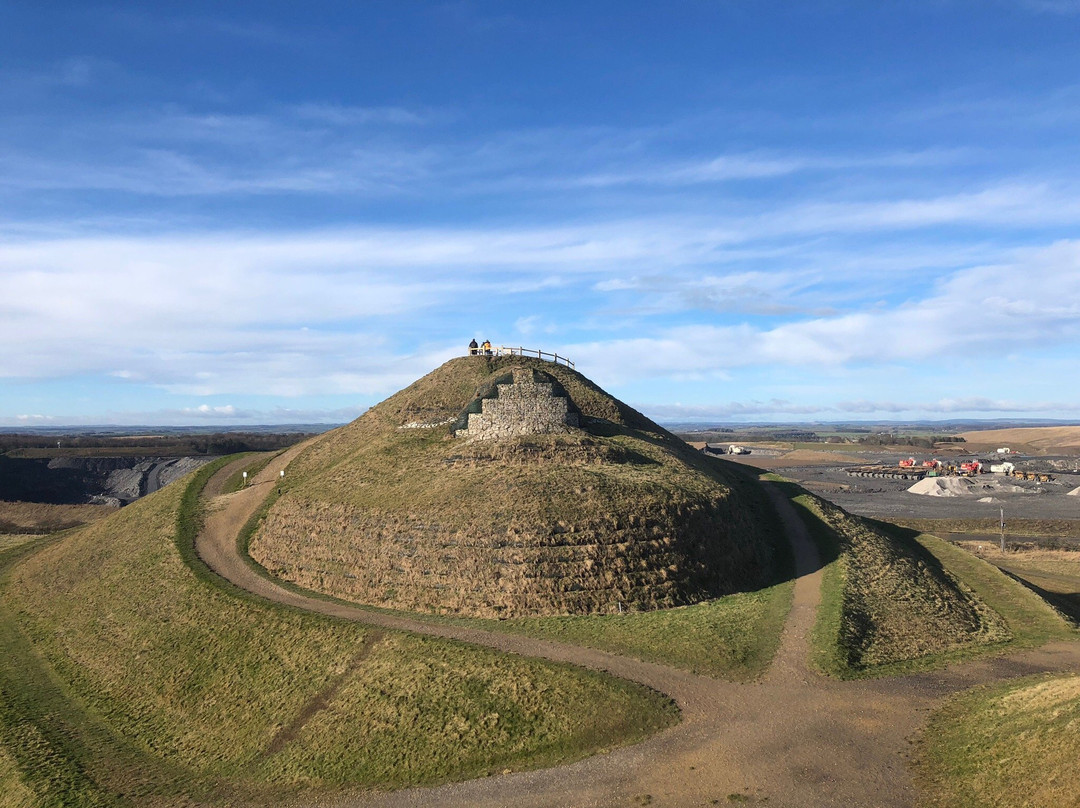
x,y
861,409
297,314
973,312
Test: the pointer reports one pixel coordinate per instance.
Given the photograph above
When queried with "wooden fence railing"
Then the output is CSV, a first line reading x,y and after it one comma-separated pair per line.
x,y
503,350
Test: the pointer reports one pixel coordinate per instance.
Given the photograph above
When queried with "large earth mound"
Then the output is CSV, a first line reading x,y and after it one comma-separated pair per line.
x,y
508,486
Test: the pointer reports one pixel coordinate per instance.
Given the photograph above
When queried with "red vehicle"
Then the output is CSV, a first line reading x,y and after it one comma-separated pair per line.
x,y
907,464
974,467
931,464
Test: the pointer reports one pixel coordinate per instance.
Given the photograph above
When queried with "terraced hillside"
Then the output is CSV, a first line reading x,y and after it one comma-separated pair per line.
x,y
398,510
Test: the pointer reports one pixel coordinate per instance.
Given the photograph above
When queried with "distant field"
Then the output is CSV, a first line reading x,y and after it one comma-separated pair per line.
x,y
1049,528
1048,439
110,646
100,451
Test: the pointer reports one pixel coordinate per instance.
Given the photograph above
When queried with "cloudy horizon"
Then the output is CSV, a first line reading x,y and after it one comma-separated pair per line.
x,y
724,212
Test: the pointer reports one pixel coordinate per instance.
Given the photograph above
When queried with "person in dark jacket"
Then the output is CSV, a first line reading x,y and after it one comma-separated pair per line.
x,y
474,349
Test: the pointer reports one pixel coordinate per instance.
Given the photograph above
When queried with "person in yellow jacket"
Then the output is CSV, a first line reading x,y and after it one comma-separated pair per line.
x,y
486,347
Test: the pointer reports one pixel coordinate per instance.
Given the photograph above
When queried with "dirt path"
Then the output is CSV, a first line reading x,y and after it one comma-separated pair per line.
x,y
794,738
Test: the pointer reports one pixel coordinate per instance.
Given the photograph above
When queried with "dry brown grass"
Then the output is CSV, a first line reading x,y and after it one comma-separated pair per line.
x,y
1049,439
39,517
620,512
13,792
1010,745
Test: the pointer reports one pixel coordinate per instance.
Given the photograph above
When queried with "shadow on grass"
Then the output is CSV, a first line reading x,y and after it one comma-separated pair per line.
x,y
906,538
1066,603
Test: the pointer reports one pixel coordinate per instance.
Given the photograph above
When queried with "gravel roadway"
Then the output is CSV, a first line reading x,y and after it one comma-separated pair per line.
x,y
793,738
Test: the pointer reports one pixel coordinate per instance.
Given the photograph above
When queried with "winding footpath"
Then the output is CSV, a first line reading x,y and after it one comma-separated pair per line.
x,y
793,738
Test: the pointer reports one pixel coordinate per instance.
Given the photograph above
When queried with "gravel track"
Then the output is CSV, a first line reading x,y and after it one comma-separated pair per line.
x,y
793,738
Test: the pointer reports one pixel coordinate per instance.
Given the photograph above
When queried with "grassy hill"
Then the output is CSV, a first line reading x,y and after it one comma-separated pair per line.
x,y
122,673
393,510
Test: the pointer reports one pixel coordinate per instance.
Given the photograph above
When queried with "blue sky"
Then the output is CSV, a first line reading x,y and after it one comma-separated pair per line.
x,y
723,210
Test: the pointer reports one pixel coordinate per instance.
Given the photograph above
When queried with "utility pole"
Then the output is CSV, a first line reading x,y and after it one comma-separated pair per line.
x,y
1002,530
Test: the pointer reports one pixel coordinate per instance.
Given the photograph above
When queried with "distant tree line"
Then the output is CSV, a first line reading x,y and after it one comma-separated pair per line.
x,y
217,443
888,439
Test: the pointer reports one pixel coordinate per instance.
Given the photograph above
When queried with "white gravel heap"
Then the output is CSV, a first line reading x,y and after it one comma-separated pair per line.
x,y
1074,493
961,487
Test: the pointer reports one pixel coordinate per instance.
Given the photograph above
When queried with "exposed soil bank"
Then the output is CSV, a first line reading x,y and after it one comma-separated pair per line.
x,y
90,480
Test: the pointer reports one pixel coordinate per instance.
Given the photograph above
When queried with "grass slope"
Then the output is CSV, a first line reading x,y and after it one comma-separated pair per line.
x,y
1053,574
734,637
1031,621
1005,746
888,604
259,461
40,517
121,672
390,515
13,791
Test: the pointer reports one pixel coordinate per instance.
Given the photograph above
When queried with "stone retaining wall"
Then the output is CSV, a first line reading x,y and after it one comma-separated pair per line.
x,y
525,407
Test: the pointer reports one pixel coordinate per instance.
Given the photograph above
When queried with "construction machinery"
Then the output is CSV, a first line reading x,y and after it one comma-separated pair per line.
x,y
1033,476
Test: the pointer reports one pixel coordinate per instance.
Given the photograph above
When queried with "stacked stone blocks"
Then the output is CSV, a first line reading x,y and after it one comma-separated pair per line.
x,y
525,407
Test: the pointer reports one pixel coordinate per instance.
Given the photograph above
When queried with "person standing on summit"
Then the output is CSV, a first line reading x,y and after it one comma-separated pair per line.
x,y
486,347
474,349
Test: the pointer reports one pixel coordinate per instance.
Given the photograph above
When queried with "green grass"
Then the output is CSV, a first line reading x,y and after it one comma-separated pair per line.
x,y
734,637
10,540
1054,575
1030,619
14,793
1008,745
122,672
